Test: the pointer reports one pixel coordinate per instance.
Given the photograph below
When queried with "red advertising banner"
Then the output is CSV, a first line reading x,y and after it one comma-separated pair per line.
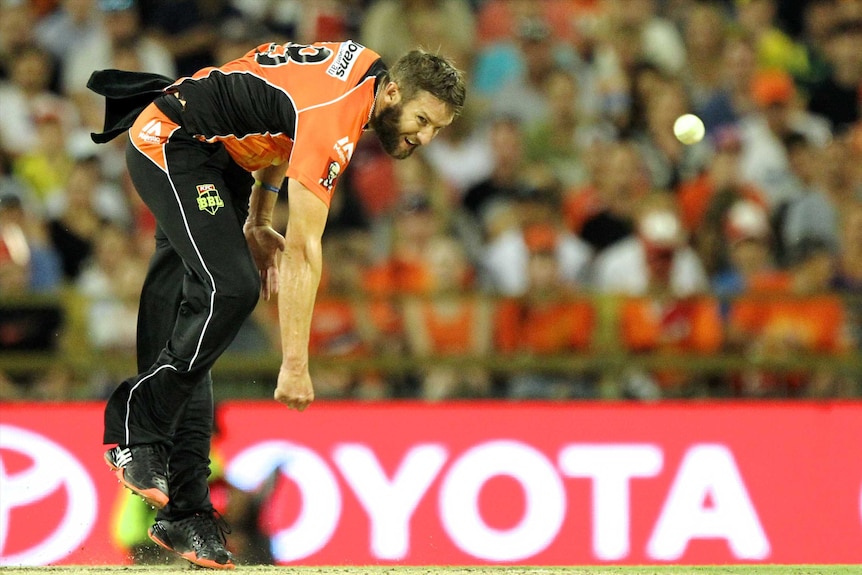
x,y
477,483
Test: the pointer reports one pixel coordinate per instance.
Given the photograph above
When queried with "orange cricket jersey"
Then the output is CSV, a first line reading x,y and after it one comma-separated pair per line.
x,y
302,104
451,335
544,327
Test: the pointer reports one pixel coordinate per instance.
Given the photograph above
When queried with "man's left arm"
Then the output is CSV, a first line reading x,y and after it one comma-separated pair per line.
x,y
263,241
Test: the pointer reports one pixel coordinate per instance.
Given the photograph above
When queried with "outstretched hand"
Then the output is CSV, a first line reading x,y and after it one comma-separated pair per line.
x,y
265,243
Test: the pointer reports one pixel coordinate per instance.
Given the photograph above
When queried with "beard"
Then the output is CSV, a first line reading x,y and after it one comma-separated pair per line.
x,y
386,124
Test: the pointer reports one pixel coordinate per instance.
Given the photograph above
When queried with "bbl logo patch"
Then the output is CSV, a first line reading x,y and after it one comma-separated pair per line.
x,y
331,174
208,198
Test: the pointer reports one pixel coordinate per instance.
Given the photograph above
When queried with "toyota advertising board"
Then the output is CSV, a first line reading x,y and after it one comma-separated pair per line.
x,y
477,483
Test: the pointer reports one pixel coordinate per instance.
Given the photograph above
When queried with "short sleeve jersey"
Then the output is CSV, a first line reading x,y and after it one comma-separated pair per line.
x,y
303,104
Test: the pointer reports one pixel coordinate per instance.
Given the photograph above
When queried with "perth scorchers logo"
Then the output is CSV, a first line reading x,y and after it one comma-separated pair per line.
x,y
208,199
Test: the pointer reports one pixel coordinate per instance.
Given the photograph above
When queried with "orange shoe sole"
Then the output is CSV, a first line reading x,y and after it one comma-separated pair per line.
x,y
153,496
190,556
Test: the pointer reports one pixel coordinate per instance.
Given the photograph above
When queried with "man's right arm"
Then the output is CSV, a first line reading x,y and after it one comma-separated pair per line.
x,y
299,276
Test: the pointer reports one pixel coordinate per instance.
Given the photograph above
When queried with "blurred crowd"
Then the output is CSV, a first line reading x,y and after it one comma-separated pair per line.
x,y
557,216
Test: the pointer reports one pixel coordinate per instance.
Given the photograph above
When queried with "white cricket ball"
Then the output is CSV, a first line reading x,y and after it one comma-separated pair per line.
x,y
689,129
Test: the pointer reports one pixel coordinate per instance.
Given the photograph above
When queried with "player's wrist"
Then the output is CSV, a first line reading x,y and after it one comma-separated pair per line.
x,y
258,221
268,187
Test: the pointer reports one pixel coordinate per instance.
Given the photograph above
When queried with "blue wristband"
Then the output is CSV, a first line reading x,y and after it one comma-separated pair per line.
x,y
269,187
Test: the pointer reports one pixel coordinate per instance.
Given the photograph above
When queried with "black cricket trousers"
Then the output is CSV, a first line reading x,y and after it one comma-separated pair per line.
x,y
201,285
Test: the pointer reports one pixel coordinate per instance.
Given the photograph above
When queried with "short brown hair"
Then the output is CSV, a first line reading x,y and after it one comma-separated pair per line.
x,y
420,70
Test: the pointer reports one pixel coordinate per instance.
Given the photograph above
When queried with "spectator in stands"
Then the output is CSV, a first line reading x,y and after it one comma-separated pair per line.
x,y
705,202
189,29
813,214
463,154
549,318
656,258
46,168
76,225
705,33
507,138
445,323
524,96
668,160
506,258
26,96
557,140
658,40
764,159
496,19
602,213
790,314
72,23
836,97
16,34
818,21
775,48
110,280
849,277
31,265
392,27
508,35
236,34
732,100
27,267
416,177
343,326
663,284
669,327
122,26
400,270
632,37
747,237
834,173
719,184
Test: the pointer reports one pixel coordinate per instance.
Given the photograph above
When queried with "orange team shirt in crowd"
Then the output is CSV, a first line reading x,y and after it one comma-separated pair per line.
x,y
334,330
386,282
685,325
453,332
544,327
777,323
579,206
302,104
771,313
694,196
691,325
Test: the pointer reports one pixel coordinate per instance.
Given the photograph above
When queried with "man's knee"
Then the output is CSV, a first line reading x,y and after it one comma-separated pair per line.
x,y
242,293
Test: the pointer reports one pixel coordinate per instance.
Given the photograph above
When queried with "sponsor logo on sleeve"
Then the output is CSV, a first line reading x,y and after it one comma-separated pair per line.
x,y
344,60
208,199
330,175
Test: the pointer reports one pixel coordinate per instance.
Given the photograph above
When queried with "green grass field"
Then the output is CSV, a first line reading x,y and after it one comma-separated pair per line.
x,y
432,570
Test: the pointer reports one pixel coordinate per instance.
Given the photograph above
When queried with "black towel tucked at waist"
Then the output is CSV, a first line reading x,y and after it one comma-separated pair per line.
x,y
126,95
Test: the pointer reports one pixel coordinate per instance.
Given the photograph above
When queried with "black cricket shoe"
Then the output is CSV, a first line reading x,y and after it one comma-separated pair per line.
x,y
142,469
199,538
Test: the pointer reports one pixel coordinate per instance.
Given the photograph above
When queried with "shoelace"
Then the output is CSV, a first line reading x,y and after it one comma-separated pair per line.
x,y
206,527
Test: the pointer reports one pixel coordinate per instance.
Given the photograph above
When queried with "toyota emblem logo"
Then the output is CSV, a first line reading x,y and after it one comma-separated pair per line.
x,y
52,469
